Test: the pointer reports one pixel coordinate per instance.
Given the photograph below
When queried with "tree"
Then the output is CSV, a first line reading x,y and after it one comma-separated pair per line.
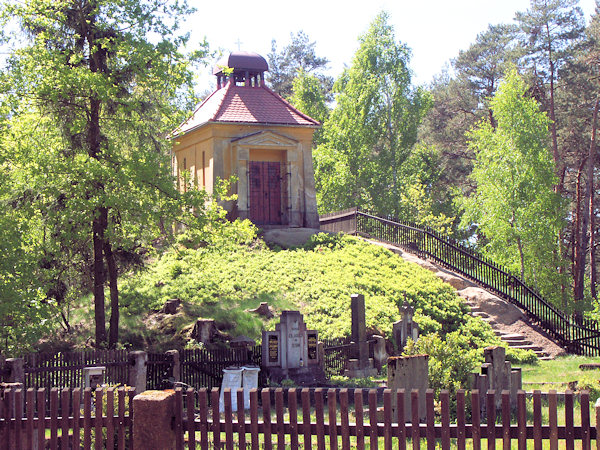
x,y
514,206
462,100
480,68
308,97
297,57
372,129
551,31
103,79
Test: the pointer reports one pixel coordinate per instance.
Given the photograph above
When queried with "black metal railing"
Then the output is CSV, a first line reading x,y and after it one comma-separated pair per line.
x,y
576,335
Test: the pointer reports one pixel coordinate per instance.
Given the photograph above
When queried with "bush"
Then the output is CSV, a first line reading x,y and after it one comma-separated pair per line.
x,y
451,360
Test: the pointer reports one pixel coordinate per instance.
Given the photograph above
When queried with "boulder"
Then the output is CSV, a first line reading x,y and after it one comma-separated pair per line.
x,y
453,280
497,309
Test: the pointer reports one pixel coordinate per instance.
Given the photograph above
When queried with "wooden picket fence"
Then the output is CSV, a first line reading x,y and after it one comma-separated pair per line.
x,y
294,418
335,420
66,418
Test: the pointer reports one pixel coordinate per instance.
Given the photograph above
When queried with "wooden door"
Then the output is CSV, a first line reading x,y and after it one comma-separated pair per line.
x,y
265,192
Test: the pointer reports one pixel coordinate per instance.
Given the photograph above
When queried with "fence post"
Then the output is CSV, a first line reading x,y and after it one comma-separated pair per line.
x,y
138,366
153,420
174,354
17,372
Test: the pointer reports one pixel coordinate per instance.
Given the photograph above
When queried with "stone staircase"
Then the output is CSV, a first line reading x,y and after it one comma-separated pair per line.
x,y
508,322
513,340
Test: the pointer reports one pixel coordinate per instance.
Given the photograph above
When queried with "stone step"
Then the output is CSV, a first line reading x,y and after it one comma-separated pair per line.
x,y
518,344
512,337
481,314
535,348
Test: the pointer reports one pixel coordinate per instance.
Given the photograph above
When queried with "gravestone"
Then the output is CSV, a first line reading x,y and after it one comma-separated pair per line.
x,y
361,366
245,377
409,373
405,327
93,377
497,374
291,351
249,382
232,379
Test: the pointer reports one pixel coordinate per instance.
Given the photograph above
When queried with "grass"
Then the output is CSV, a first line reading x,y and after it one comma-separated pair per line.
x,y
560,374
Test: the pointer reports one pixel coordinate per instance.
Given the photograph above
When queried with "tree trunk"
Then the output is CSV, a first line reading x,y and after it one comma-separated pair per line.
x,y
99,314
579,276
97,61
113,336
590,198
580,238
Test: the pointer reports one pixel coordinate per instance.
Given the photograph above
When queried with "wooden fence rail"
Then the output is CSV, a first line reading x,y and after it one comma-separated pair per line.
x,y
334,419
576,335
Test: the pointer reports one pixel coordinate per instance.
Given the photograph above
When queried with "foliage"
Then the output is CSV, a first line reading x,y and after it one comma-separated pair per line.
x,y
24,313
514,205
451,360
224,282
370,133
92,88
341,381
308,96
297,58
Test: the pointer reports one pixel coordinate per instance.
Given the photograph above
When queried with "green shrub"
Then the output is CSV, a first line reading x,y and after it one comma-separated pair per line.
x,y
451,360
589,382
520,356
223,281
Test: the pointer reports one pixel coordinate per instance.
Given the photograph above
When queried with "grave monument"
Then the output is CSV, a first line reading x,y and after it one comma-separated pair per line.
x,y
361,366
405,327
291,351
497,374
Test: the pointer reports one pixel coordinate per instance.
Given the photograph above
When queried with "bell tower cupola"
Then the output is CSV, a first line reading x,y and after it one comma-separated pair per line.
x,y
241,69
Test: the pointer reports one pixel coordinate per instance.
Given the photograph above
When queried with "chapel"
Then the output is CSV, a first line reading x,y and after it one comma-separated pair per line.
x,y
246,130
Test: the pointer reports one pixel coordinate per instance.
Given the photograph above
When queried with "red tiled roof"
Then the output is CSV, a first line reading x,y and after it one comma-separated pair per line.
x,y
245,104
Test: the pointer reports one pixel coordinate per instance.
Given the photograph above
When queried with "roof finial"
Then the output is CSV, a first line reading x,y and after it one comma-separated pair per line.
x,y
239,43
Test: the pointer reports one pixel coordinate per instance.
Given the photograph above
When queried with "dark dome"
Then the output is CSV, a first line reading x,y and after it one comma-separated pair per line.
x,y
242,61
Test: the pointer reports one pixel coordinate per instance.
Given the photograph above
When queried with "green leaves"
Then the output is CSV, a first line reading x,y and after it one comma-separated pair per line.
x,y
371,132
94,87
514,206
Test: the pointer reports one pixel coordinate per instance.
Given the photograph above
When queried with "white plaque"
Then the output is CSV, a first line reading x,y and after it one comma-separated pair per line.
x,y
250,382
232,379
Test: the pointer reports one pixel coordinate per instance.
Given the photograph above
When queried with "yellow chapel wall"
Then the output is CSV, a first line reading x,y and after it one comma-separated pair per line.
x,y
221,161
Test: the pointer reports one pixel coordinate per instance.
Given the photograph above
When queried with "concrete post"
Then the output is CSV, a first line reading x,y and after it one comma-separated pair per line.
x,y
153,420
174,354
17,372
137,370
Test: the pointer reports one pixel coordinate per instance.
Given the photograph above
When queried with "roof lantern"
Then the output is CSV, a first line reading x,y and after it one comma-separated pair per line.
x,y
248,69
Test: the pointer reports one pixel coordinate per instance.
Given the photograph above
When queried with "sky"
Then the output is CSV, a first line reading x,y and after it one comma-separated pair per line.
x,y
435,30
